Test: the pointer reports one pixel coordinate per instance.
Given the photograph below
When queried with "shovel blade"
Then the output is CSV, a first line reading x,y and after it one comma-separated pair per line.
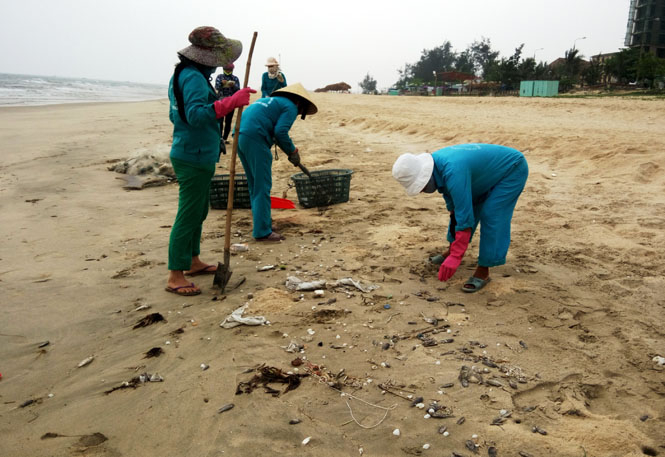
x,y
222,275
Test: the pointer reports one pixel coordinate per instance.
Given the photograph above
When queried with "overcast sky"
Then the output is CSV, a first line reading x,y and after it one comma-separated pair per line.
x,y
319,43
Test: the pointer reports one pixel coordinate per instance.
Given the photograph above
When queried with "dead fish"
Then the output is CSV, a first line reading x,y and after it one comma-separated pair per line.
x,y
498,420
225,408
295,421
489,363
537,429
461,420
26,403
523,344
86,361
464,376
442,429
43,344
494,382
416,401
447,385
524,454
512,383
442,412
528,409
447,341
154,352
149,320
470,445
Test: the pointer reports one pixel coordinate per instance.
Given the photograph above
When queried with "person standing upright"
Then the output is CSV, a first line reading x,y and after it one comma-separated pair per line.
x,y
226,85
273,79
195,111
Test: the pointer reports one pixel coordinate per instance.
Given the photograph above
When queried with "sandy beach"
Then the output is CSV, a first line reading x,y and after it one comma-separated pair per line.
x,y
561,344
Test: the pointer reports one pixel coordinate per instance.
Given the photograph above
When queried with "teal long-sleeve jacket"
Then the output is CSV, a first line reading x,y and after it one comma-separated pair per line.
x,y
197,140
269,120
466,173
268,86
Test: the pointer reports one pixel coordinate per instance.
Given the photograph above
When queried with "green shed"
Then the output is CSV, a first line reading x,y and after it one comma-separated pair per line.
x,y
539,88
526,89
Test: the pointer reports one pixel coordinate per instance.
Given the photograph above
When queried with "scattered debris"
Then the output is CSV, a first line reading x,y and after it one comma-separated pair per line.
x,y
293,347
306,440
236,318
149,320
537,429
266,375
297,284
43,344
225,408
356,284
86,361
136,381
239,247
154,352
295,421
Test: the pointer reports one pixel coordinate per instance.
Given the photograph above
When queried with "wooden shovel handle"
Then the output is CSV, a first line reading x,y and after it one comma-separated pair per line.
x,y
232,169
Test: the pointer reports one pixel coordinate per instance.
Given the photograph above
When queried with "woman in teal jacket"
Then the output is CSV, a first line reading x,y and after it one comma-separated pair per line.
x,y
273,79
194,112
265,122
480,183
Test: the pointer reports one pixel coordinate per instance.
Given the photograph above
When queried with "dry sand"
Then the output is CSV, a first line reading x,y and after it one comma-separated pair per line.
x,y
576,314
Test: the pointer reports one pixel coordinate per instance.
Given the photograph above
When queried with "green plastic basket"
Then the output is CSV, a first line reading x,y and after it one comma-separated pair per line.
x,y
325,187
219,192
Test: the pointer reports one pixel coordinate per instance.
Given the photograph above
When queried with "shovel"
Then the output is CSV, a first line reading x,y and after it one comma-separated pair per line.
x,y
223,273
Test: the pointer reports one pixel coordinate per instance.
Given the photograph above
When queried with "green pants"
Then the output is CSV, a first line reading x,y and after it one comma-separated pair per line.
x,y
193,200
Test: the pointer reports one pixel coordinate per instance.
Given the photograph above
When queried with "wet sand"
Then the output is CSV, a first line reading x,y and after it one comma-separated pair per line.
x,y
563,337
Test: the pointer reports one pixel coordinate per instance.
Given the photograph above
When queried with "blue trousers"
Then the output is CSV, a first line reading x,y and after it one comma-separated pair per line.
x,y
256,159
495,213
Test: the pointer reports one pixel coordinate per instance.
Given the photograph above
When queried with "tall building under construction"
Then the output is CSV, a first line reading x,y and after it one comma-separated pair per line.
x,y
646,26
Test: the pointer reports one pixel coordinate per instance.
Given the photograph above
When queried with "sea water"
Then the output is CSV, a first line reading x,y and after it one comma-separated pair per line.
x,y
25,90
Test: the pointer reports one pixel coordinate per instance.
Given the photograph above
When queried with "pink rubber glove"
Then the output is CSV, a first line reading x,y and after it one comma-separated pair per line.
x,y
227,104
457,250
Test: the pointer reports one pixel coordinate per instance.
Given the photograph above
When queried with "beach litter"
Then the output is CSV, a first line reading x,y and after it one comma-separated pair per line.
x,y
86,361
293,347
265,375
357,284
149,320
154,352
145,169
225,408
236,318
296,284
137,381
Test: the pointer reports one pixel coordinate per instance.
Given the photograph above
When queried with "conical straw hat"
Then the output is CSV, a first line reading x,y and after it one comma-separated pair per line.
x,y
300,91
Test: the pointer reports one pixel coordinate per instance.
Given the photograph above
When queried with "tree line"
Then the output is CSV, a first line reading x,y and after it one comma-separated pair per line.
x,y
479,59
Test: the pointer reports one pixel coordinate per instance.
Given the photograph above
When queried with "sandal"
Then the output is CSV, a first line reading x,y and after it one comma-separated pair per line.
x,y
184,293
474,284
208,270
274,236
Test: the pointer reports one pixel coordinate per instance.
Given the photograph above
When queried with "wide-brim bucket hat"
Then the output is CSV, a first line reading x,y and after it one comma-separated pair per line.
x,y
298,90
210,48
272,62
413,171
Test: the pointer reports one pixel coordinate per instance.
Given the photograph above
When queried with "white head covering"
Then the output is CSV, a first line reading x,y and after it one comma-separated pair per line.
x,y
413,171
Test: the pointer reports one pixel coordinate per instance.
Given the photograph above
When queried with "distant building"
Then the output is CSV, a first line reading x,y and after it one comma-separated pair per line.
x,y
646,26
